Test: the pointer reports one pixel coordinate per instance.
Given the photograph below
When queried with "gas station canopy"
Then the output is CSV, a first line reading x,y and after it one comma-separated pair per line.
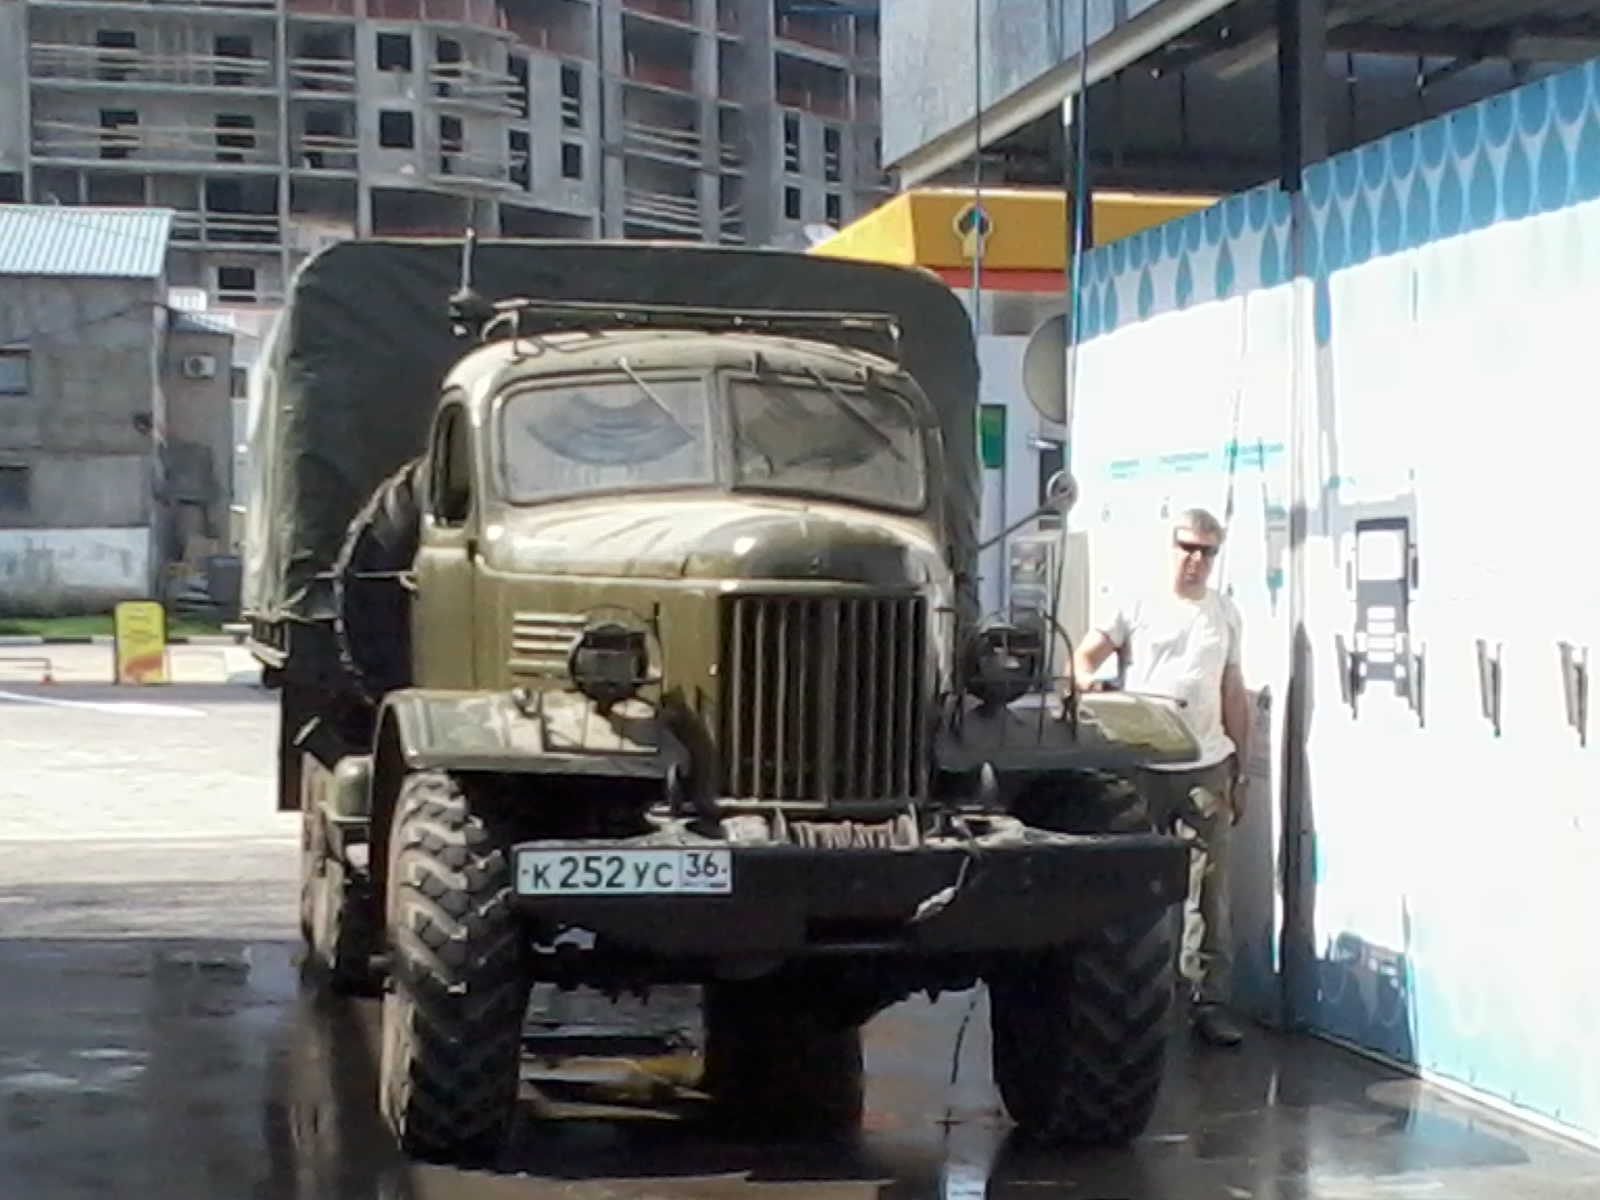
x,y
1021,234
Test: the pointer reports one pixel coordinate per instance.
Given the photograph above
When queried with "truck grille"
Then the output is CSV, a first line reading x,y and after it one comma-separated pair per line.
x,y
822,698
541,642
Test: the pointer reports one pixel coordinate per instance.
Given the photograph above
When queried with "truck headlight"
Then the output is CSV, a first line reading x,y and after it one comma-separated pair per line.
x,y
1005,661
610,663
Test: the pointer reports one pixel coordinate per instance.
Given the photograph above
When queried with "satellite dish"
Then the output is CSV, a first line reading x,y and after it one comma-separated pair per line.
x,y
1044,369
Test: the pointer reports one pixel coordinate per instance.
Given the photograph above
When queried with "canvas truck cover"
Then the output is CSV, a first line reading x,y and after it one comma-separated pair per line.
x,y
351,372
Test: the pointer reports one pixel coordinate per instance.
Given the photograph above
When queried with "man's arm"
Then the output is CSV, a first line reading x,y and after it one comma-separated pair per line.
x,y
1108,633
1090,653
1236,714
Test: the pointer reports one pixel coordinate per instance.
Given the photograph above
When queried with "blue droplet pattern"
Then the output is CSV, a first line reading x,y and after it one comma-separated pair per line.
x,y
1526,153
1532,151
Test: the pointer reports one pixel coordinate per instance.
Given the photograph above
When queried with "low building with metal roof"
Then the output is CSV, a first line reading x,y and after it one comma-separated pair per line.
x,y
115,415
61,241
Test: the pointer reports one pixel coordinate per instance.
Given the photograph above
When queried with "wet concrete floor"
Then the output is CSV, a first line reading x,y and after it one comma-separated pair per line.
x,y
140,1059
183,1070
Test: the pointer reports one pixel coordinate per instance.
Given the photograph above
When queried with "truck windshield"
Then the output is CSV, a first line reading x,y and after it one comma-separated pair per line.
x,y
613,433
827,438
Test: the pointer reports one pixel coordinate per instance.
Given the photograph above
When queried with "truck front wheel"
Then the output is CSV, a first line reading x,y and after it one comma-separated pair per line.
x,y
1080,1033
453,1017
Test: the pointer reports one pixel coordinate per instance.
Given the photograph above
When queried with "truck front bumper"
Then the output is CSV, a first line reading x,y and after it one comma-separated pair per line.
x,y
951,897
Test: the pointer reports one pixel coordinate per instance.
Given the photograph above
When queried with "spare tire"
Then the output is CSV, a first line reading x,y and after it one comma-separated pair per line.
x,y
371,592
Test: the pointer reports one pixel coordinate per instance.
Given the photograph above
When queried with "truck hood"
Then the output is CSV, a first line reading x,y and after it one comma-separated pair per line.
x,y
714,538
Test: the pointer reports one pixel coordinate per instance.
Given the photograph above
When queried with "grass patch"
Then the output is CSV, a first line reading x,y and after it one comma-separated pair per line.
x,y
97,626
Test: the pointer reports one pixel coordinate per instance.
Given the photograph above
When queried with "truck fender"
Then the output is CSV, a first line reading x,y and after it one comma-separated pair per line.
x,y
1149,729
1115,731
342,793
549,733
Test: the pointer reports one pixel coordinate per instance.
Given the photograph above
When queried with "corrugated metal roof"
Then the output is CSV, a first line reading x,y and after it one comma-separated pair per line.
x,y
199,322
91,243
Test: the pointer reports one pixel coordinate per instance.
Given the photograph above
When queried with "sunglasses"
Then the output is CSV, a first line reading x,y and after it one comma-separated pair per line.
x,y
1202,550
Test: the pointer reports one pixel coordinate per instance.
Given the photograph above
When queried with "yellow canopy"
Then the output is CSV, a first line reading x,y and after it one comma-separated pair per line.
x,y
1025,236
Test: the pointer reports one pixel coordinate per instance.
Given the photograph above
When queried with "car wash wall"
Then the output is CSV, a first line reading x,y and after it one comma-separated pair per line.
x,y
1384,383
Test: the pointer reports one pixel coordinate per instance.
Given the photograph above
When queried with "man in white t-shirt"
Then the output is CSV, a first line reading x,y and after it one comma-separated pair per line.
x,y
1183,641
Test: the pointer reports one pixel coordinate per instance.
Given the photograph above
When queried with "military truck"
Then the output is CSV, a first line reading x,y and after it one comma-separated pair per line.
x,y
622,610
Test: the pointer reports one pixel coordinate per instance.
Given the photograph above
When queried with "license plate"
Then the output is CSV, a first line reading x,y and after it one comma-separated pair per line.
x,y
645,871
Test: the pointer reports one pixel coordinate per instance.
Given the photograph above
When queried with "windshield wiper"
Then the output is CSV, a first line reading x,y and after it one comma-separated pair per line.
x,y
650,394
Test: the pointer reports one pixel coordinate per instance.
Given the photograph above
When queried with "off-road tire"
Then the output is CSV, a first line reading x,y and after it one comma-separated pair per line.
x,y
371,606
776,1064
338,920
1080,1032
458,993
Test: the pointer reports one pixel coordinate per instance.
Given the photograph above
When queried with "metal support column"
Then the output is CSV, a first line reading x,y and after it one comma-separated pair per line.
x,y
1302,88
1303,142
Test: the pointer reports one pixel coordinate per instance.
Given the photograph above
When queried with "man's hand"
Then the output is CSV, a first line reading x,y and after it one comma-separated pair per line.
x,y
1238,798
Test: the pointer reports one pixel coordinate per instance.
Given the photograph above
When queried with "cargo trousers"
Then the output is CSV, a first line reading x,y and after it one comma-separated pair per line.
x,y
1197,805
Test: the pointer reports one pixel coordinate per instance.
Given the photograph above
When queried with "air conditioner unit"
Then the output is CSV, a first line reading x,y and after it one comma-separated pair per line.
x,y
199,366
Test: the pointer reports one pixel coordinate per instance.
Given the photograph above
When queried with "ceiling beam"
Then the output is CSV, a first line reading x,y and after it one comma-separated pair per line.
x,y
1237,48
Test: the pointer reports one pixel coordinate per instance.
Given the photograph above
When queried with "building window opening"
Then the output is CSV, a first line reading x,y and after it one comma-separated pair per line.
x,y
15,373
119,49
451,142
521,102
119,132
446,54
397,130
394,52
571,97
236,285
231,51
520,150
15,488
791,143
236,137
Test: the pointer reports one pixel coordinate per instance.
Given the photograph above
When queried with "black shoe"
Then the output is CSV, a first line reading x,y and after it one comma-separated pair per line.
x,y
1213,1025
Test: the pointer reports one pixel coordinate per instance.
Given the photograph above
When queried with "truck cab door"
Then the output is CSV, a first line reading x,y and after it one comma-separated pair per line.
x,y
442,621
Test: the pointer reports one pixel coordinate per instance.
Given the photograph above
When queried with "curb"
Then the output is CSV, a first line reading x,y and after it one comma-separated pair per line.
x,y
209,639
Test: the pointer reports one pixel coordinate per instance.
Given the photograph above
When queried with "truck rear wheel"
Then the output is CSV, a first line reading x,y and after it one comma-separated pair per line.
x,y
773,1062
337,919
1080,1034
453,1017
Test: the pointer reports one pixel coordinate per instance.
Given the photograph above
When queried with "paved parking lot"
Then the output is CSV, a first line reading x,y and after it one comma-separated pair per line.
x,y
142,812
93,764
95,664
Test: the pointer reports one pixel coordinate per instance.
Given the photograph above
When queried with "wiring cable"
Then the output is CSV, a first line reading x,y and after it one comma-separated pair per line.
x,y
1073,283
979,230
1080,221
62,332
58,333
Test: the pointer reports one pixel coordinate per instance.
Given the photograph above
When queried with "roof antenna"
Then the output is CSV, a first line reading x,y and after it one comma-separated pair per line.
x,y
469,311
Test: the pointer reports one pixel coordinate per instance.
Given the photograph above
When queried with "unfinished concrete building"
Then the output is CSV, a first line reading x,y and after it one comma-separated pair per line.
x,y
274,126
